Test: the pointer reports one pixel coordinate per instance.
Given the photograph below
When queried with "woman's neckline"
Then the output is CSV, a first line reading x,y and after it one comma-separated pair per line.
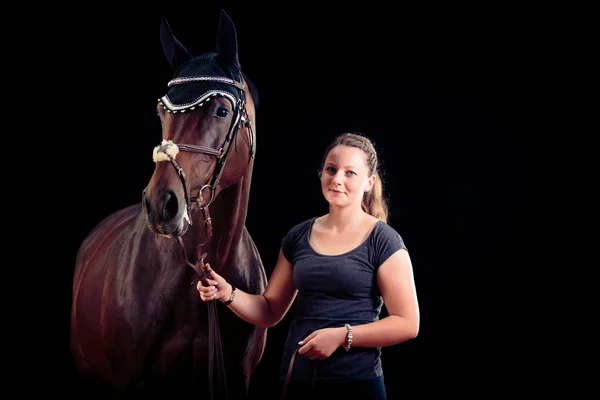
x,y
309,231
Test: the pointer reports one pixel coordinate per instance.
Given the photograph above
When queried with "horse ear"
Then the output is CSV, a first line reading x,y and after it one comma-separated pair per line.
x,y
175,52
227,40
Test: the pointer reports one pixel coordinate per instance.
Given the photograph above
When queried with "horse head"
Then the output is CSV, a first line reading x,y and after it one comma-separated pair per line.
x,y
207,107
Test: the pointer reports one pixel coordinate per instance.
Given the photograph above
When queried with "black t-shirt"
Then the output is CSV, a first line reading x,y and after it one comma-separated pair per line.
x,y
332,291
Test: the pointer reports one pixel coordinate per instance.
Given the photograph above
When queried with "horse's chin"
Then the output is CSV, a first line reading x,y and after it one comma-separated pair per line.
x,y
181,229
172,230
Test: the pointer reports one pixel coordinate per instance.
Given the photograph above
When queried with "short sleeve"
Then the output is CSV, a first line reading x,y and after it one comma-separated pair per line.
x,y
387,241
292,239
286,246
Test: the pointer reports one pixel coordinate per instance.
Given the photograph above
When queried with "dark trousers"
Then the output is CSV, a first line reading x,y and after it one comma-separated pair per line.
x,y
369,389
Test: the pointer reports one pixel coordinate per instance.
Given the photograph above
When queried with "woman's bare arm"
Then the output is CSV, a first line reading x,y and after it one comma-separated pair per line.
x,y
264,310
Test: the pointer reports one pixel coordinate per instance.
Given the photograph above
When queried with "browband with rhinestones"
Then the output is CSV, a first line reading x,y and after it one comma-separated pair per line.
x,y
188,79
174,108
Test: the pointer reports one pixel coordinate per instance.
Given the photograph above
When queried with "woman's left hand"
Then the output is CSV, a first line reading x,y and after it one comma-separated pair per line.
x,y
320,344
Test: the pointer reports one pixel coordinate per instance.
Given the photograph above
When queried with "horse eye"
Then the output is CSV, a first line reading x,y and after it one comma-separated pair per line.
x,y
222,113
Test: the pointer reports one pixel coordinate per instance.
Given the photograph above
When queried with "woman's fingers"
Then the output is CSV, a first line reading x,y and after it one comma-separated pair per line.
x,y
209,286
207,293
205,289
210,282
211,277
211,272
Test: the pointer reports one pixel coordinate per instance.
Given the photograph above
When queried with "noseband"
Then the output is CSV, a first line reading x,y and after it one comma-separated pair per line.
x,y
168,150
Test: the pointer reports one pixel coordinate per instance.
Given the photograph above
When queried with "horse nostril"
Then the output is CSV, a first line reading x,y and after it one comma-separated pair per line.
x,y
171,205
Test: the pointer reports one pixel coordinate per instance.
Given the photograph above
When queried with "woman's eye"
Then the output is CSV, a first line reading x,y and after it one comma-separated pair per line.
x,y
330,170
222,113
351,173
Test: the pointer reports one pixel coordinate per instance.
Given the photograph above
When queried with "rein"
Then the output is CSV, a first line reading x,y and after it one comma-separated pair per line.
x,y
288,376
168,151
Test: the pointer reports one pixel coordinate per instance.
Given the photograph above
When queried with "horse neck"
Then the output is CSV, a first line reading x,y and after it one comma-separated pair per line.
x,y
228,217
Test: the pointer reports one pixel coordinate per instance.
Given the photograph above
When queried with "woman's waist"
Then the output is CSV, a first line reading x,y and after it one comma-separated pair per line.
x,y
358,363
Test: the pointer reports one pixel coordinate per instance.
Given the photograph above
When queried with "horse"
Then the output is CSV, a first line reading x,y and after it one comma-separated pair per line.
x,y
138,326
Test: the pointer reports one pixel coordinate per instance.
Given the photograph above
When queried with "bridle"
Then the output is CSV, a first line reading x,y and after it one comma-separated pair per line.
x,y
168,150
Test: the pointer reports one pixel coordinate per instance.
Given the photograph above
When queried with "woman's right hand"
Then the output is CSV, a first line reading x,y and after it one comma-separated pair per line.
x,y
217,289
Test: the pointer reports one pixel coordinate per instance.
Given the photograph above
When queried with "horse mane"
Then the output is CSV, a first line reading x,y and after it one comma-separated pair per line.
x,y
252,88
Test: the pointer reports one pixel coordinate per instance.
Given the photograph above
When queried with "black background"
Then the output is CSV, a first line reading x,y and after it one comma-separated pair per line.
x,y
441,93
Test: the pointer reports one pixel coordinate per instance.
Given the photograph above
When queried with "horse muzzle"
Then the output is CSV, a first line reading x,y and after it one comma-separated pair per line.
x,y
168,218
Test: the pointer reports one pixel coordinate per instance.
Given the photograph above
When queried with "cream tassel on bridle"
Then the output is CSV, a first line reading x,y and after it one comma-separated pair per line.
x,y
166,151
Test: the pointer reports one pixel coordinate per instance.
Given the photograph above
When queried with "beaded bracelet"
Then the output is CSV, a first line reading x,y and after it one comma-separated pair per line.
x,y
348,337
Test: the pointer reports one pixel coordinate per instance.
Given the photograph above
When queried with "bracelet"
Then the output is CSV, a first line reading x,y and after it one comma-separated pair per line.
x,y
348,337
228,302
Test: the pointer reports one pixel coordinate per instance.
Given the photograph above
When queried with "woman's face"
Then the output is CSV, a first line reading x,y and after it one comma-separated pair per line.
x,y
345,176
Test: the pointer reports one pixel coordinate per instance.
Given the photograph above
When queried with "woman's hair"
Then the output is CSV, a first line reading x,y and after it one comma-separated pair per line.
x,y
373,202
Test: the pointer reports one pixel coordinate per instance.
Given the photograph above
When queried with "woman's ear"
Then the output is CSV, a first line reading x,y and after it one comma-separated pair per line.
x,y
370,183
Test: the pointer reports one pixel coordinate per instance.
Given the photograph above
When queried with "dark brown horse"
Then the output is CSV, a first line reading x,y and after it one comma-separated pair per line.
x,y
138,326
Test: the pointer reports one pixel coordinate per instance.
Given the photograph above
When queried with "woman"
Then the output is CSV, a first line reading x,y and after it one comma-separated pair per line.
x,y
340,268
